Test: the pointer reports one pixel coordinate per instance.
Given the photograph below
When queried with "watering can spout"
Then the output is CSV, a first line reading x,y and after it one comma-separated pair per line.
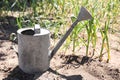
x,y
83,15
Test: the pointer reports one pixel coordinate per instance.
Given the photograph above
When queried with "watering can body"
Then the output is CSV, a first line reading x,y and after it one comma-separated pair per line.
x,y
33,51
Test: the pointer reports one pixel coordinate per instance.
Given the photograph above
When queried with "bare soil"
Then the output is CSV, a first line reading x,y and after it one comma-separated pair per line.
x,y
62,67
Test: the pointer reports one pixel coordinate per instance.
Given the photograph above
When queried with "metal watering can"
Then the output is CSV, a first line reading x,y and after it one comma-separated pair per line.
x,y
34,43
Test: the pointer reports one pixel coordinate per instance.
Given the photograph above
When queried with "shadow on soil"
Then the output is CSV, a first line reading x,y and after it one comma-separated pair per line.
x,y
77,60
8,25
2,56
72,77
18,74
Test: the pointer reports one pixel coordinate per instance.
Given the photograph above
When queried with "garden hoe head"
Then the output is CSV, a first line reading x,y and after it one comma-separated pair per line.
x,y
83,15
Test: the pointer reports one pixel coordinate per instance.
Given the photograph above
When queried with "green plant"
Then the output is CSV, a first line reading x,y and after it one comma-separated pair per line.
x,y
55,15
105,41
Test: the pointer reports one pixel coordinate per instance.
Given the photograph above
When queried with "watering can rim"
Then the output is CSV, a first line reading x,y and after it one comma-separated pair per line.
x,y
19,31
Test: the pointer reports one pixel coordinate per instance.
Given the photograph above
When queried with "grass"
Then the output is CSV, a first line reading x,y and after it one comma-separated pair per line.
x,y
58,15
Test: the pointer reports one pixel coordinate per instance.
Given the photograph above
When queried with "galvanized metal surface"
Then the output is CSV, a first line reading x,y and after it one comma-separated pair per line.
x,y
33,51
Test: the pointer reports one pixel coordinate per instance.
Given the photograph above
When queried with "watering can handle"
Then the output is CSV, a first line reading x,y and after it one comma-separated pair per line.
x,y
83,15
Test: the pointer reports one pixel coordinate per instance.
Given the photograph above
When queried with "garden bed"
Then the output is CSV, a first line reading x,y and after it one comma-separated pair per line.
x,y
63,67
